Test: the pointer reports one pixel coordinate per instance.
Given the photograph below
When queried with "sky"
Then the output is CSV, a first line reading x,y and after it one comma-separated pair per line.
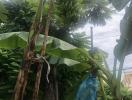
x,y
105,37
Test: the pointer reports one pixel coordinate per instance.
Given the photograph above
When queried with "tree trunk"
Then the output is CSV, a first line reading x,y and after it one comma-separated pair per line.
x,y
37,81
56,84
51,88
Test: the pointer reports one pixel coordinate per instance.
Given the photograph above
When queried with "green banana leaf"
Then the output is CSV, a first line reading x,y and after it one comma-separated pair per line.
x,y
77,66
19,39
69,54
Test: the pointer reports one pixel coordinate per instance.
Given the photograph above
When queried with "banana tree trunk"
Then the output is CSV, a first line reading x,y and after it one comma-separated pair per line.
x,y
28,56
56,84
51,89
37,81
21,81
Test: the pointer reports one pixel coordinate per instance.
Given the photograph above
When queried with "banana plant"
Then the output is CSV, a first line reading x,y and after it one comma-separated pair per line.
x,y
61,49
56,48
68,54
78,58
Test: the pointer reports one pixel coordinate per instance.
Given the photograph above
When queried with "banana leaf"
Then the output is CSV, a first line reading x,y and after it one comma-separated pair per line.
x,y
55,47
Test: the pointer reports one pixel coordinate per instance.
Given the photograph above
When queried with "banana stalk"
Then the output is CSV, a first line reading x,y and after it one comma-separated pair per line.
x,y
28,55
42,54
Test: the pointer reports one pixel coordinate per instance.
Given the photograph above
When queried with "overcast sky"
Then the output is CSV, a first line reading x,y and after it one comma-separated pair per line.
x,y
105,37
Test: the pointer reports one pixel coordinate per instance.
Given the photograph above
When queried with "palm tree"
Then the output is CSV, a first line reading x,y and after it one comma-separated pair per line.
x,y
97,11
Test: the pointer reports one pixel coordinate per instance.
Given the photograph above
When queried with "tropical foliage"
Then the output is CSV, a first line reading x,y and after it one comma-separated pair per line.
x,y
19,17
70,60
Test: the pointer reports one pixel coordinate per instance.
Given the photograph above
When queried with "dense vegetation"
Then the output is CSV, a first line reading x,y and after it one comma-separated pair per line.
x,y
71,60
